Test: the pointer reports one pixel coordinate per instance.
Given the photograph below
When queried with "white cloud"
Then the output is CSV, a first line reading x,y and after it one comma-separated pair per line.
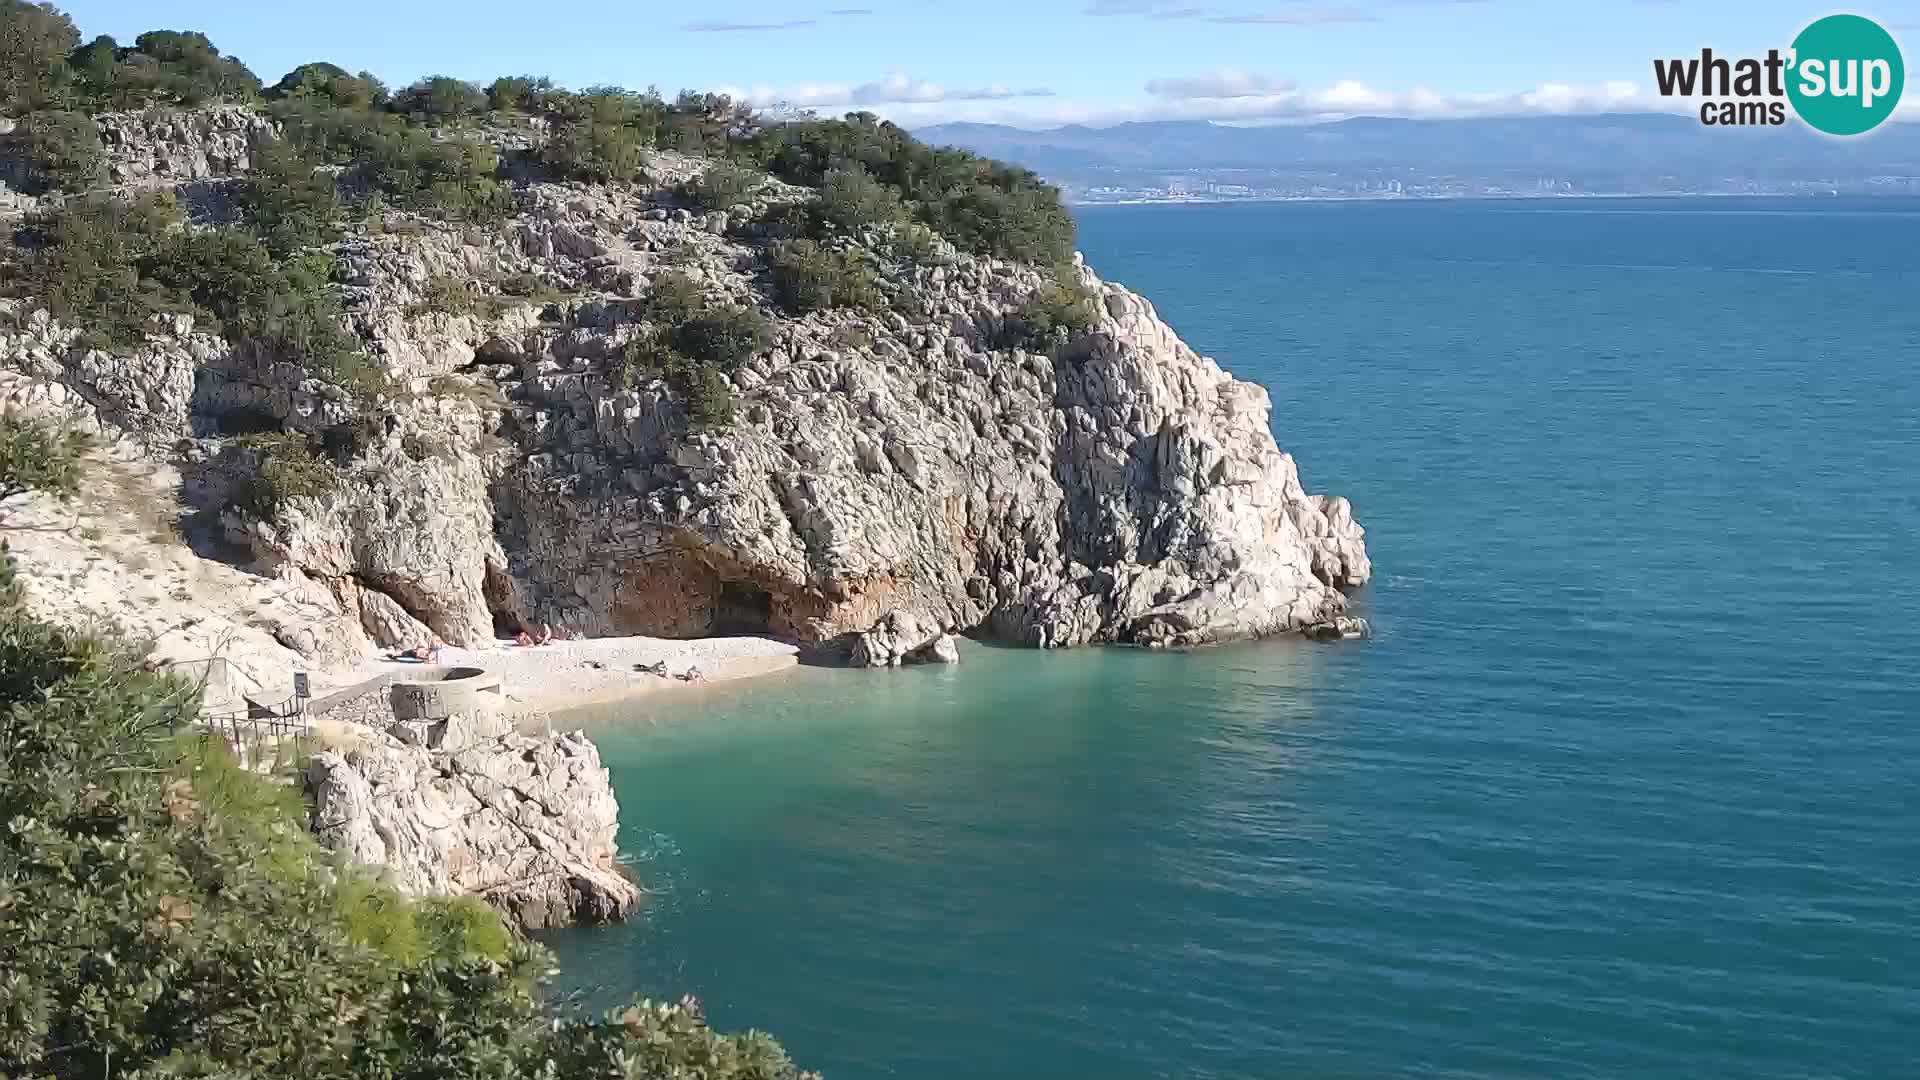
x,y
1284,16
1298,17
1244,98
717,27
896,88
1224,83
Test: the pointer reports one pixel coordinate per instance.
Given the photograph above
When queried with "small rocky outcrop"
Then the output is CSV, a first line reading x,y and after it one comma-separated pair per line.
x,y
171,146
902,638
526,823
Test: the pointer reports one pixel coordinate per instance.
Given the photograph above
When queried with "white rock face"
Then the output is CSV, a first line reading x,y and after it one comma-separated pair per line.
x,y
169,146
1129,490
527,824
903,638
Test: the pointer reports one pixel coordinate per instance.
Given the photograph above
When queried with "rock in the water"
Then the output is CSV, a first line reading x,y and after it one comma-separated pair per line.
x,y
1340,628
943,650
527,824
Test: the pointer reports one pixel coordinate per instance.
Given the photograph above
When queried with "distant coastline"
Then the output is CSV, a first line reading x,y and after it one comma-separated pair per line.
x,y
1529,196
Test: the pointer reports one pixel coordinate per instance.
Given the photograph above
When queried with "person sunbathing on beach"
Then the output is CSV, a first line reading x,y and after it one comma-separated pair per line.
x,y
421,654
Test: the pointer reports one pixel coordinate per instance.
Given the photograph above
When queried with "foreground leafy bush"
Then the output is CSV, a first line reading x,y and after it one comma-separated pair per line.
x,y
163,912
37,456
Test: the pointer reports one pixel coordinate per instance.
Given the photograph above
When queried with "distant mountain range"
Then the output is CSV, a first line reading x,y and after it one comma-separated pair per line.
x,y
1636,152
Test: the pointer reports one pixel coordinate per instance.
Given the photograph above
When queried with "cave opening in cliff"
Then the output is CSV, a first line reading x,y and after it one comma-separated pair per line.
x,y
742,608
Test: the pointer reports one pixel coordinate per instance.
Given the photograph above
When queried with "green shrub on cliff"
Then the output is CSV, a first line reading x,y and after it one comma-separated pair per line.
x,y
809,277
109,266
84,261
851,200
34,42
518,93
163,67
585,149
983,206
284,467
722,186
332,84
62,151
1050,316
36,455
440,99
288,200
721,335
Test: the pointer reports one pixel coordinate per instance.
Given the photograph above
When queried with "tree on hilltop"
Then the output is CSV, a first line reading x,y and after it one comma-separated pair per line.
x,y
34,42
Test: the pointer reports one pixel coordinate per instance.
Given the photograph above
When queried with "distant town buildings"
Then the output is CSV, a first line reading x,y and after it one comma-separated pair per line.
x,y
1225,185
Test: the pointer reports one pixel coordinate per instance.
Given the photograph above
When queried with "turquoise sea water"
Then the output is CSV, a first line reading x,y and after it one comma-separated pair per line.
x,y
1627,785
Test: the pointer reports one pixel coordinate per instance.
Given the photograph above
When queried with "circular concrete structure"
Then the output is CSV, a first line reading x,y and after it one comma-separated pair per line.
x,y
435,693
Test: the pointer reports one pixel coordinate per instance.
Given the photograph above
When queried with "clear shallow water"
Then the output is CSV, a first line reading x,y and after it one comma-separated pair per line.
x,y
1628,784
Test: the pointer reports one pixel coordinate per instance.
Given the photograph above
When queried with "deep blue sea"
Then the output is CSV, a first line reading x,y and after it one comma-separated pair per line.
x,y
1626,785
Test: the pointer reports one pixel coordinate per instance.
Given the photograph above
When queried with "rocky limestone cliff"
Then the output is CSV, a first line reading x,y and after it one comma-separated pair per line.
x,y
526,823
890,478
172,146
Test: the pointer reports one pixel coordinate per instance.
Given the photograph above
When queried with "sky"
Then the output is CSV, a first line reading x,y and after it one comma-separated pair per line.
x,y
1032,63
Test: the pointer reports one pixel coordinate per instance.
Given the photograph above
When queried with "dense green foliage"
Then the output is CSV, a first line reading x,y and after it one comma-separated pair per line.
x,y
284,466
441,99
34,42
869,173
84,261
1052,315
851,200
62,151
516,93
332,84
722,186
37,456
586,149
808,276
164,912
163,67
109,266
694,346
982,206
288,200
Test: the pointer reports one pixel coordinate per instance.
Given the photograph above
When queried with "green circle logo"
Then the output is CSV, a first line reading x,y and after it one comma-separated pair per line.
x,y
1845,75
